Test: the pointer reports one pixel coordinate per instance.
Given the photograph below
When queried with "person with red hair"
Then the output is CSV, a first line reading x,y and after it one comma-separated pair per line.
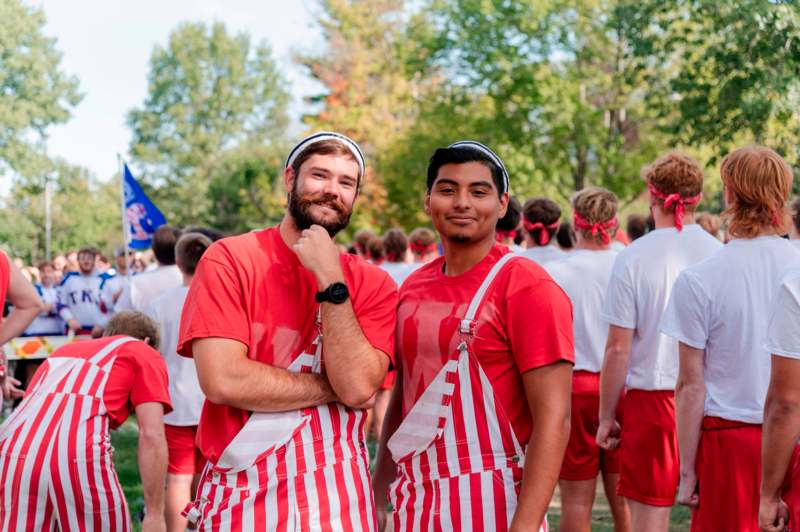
x,y
719,312
638,358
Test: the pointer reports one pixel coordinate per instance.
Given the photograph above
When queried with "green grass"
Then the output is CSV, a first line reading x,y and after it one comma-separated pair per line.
x,y
124,441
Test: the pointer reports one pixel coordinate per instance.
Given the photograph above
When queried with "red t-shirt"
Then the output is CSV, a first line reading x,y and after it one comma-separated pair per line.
x,y
139,375
252,288
525,323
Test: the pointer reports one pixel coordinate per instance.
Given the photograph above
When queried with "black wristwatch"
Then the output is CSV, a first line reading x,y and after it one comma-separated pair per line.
x,y
336,293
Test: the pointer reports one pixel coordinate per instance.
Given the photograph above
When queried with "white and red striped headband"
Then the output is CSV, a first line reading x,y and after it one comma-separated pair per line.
x,y
475,145
322,136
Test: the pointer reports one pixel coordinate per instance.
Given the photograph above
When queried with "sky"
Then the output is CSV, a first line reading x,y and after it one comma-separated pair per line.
x,y
107,45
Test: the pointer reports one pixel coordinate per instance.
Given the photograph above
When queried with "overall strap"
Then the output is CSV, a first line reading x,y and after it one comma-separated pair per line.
x,y
468,323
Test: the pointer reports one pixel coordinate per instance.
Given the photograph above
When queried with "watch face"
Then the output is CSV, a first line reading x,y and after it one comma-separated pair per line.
x,y
338,292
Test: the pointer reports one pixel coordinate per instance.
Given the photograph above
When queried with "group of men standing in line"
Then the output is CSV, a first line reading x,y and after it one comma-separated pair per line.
x,y
650,366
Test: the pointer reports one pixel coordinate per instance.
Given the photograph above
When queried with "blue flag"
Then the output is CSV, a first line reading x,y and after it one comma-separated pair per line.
x,y
141,215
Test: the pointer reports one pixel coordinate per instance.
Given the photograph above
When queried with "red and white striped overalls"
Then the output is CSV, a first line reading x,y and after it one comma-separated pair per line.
x,y
56,470
303,470
459,462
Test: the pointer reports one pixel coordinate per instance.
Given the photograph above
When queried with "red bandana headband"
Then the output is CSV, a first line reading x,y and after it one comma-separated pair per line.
x,y
422,249
501,234
598,227
544,235
677,200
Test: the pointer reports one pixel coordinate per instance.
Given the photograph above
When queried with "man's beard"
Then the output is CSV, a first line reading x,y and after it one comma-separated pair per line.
x,y
300,209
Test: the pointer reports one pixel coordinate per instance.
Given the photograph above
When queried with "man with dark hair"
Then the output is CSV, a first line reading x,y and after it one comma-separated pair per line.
x,y
282,430
56,470
180,426
541,221
147,286
484,344
79,295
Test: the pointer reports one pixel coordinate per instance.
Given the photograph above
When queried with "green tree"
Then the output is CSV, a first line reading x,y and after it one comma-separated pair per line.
x,y
721,73
34,92
209,91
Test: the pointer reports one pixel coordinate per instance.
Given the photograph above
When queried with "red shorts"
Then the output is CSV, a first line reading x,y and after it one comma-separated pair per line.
x,y
185,457
388,381
649,470
728,468
584,458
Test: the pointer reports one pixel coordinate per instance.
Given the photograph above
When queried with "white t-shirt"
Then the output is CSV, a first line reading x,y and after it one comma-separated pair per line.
x,y
723,305
638,292
47,322
783,331
113,285
584,276
184,388
544,254
147,286
79,299
398,271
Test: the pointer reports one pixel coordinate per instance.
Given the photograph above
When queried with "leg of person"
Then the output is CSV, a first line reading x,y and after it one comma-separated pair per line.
x,y
728,476
179,489
646,517
577,499
791,489
619,508
180,472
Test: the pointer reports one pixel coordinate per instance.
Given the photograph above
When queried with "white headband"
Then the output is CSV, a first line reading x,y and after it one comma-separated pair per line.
x,y
349,143
475,145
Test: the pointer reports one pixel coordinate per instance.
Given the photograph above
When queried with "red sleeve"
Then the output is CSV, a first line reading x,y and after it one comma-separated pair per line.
x,y
376,310
539,319
215,305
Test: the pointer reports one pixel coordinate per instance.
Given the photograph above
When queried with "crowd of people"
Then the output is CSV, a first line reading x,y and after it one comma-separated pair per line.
x,y
511,350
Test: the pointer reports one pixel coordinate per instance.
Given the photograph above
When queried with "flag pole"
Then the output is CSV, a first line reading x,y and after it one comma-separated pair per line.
x,y
121,165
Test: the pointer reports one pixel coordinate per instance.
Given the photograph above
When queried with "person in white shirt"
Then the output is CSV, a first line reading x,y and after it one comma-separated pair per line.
x,y
719,312
638,358
779,505
584,274
116,287
395,245
79,296
48,322
506,231
422,243
541,220
148,285
180,425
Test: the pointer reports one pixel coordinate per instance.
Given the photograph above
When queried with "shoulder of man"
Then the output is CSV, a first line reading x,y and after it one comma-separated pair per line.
x,y
66,278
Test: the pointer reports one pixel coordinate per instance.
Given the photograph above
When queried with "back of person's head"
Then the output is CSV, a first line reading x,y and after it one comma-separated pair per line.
x,y
189,249
461,155
675,182
134,324
212,234
375,251
513,216
757,185
636,226
164,241
565,238
541,219
796,214
422,241
595,214
361,240
395,244
710,222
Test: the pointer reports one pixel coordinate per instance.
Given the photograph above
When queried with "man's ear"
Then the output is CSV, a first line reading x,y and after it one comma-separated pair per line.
x,y
288,179
503,204
427,203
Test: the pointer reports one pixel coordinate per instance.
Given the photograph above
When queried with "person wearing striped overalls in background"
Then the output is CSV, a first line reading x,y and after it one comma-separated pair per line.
x,y
484,341
291,340
56,468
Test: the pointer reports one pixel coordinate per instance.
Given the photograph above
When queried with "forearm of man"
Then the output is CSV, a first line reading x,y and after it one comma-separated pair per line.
x,y
615,370
227,376
781,425
152,455
548,392
385,468
27,306
690,396
354,368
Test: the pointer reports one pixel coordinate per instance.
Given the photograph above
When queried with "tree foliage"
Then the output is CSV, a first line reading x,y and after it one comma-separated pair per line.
x,y
209,92
34,92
